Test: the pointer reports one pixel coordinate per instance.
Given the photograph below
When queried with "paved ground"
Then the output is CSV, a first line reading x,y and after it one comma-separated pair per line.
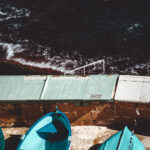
x,y
83,137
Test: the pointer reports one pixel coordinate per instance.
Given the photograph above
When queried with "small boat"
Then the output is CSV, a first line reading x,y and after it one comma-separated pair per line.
x,y
2,141
51,132
122,140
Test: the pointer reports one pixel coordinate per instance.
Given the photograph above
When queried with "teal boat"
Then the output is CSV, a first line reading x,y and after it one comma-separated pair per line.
x,y
51,132
2,141
123,140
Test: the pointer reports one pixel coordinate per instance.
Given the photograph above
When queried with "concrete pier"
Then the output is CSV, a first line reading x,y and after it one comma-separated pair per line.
x,y
86,100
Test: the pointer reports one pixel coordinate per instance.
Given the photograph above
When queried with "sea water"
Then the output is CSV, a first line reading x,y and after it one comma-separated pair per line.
x,y
66,34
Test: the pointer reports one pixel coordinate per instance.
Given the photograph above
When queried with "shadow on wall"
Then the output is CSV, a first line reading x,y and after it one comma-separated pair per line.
x,y
12,142
141,126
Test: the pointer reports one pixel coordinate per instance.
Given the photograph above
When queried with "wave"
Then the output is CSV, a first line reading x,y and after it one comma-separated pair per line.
x,y
63,62
66,62
11,49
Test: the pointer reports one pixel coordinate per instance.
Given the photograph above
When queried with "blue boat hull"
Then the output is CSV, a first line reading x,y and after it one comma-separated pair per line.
x,y
123,140
2,141
43,134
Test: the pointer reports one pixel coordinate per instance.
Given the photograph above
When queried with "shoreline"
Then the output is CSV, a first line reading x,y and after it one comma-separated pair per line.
x,y
15,68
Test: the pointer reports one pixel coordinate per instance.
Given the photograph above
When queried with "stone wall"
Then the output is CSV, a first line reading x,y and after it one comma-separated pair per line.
x,y
92,114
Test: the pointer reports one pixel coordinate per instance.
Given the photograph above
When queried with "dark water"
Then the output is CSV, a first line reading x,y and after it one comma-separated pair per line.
x,y
66,34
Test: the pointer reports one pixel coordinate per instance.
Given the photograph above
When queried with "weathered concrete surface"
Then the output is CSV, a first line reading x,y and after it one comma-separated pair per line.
x,y
83,137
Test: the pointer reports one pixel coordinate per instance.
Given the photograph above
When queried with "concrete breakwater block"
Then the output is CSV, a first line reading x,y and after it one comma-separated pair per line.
x,y
133,89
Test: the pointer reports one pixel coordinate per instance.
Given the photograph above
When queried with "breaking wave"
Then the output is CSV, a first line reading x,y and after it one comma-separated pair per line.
x,y
66,62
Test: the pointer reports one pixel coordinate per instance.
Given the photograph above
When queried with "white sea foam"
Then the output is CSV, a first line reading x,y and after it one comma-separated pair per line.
x,y
2,13
42,65
134,26
141,66
13,13
11,49
62,63
66,62
58,63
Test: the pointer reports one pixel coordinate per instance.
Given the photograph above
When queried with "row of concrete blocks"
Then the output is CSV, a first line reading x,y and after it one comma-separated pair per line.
x,y
123,88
